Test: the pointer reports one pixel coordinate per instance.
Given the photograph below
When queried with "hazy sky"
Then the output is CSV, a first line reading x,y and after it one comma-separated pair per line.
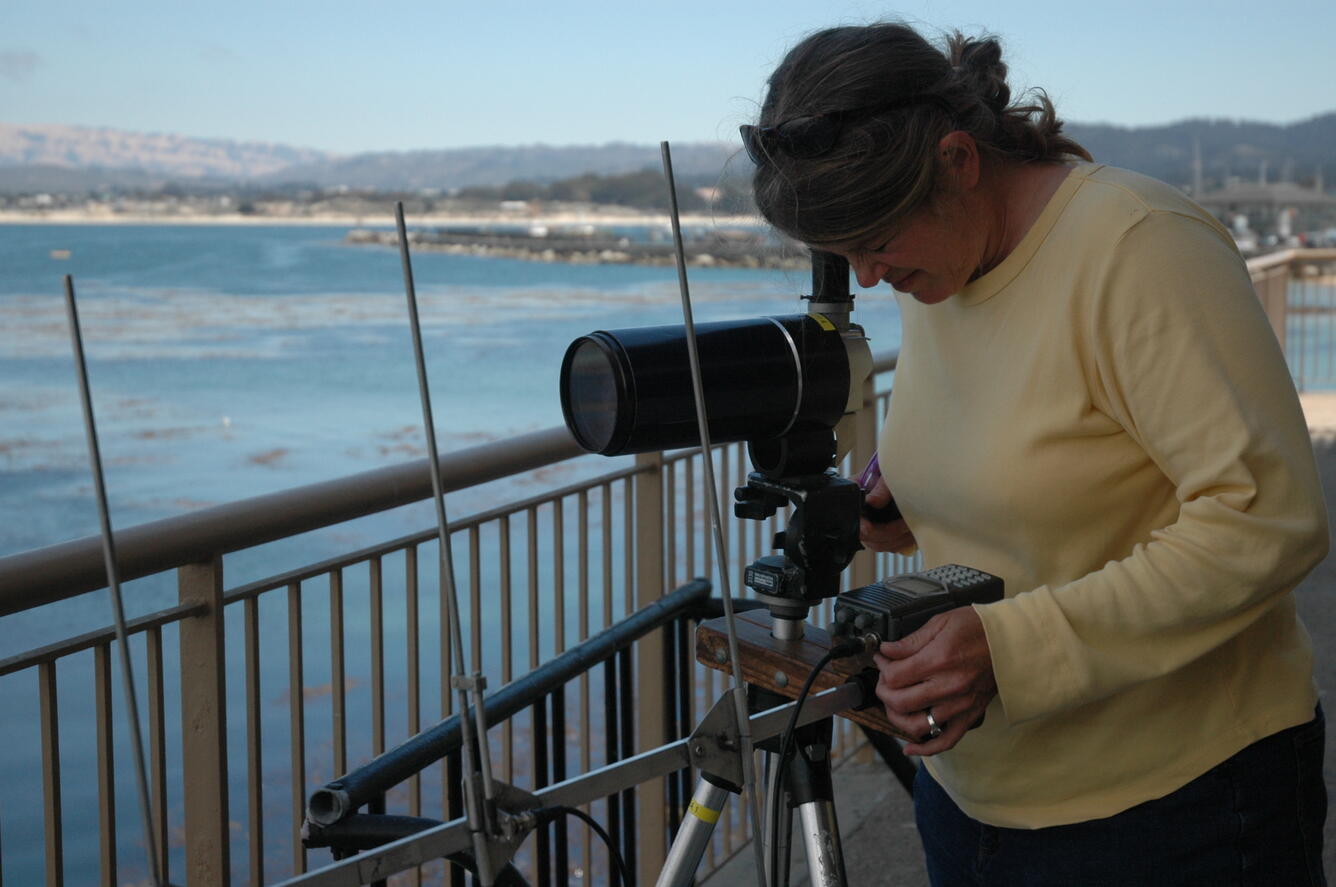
x,y
406,74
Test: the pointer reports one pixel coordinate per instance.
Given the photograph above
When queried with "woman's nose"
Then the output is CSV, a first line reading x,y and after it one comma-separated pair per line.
x,y
869,271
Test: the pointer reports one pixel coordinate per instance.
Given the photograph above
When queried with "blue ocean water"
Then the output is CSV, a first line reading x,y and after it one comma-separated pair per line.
x,y
231,361
227,362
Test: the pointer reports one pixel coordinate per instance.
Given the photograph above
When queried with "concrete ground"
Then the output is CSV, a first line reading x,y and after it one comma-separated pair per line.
x,y
877,818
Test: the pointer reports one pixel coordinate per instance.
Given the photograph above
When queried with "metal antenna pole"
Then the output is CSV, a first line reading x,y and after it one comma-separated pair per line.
x,y
113,578
739,684
475,759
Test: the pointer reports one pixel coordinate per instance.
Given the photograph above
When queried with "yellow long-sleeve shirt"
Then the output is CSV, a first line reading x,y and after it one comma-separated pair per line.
x,y
1105,420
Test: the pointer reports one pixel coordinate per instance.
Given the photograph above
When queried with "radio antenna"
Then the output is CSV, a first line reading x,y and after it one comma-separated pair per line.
x,y
739,689
113,578
476,762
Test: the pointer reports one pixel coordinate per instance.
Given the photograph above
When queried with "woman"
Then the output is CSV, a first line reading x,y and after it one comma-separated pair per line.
x,y
1090,404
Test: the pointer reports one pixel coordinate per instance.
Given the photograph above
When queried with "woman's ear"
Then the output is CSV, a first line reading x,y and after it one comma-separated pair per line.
x,y
960,159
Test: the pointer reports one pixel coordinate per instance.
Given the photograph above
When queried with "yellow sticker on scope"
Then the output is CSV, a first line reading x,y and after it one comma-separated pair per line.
x,y
823,321
703,813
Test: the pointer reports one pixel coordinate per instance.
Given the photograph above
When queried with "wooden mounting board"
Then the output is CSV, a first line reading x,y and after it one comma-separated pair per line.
x,y
765,657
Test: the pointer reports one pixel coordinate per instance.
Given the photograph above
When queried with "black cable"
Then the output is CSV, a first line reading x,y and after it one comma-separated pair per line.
x,y
549,813
842,649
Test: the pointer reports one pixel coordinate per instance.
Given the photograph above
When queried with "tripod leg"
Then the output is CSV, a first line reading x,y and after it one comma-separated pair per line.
x,y
821,835
785,844
809,784
693,836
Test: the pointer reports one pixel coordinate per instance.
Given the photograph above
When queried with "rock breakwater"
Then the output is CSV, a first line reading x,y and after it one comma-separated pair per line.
x,y
725,249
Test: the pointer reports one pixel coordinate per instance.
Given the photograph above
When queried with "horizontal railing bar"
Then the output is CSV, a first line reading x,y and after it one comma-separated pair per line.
x,y
451,837
61,571
1285,257
79,643
301,574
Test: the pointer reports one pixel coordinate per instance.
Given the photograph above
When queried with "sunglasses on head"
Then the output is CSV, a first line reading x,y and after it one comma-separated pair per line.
x,y
813,135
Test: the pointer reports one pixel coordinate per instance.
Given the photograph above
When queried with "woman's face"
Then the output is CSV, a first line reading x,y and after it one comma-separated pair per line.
x,y
931,255
942,245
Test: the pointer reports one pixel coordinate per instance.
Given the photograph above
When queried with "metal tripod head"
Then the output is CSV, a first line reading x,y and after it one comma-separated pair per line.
x,y
820,540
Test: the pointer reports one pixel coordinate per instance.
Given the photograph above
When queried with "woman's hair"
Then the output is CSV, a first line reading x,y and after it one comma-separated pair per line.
x,y
884,164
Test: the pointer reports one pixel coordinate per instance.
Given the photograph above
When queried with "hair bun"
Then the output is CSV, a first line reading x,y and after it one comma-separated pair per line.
x,y
979,63
883,165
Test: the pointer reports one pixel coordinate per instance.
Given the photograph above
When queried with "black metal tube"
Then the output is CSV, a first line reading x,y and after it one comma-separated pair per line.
x,y
540,762
672,680
830,278
627,734
685,672
376,807
341,797
454,774
611,724
364,831
559,775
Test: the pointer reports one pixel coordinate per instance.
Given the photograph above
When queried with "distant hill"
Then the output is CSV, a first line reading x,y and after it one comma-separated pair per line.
x,y
72,159
39,177
182,157
1228,148
468,167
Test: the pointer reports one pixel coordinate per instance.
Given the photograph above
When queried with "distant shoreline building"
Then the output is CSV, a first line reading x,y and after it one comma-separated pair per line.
x,y
1266,214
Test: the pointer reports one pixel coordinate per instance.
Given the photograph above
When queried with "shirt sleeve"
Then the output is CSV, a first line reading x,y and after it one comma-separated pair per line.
x,y
1182,357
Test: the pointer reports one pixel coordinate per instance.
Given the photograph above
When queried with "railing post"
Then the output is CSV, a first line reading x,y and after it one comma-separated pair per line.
x,y
204,725
1272,287
652,728
863,570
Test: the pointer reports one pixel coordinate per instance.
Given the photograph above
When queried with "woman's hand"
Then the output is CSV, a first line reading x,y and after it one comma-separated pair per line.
x,y
891,536
944,668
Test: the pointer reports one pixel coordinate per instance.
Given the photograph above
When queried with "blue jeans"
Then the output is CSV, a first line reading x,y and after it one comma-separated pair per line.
x,y
1255,819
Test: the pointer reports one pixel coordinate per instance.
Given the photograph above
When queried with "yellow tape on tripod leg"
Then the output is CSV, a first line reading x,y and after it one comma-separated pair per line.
x,y
703,813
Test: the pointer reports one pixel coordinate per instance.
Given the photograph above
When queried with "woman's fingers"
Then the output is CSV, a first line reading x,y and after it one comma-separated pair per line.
x,y
944,668
894,536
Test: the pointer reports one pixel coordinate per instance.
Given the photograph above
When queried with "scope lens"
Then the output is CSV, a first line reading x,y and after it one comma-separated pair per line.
x,y
592,383
631,391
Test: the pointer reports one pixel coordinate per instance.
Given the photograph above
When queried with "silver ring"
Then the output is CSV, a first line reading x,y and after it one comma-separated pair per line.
x,y
934,728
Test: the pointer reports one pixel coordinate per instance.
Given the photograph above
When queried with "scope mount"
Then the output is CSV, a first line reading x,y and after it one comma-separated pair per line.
x,y
819,542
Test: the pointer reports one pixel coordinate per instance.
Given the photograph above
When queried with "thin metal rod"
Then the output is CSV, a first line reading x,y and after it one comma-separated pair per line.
x,y
113,579
473,755
739,685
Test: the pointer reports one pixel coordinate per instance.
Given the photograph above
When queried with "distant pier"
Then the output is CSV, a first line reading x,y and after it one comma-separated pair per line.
x,y
724,249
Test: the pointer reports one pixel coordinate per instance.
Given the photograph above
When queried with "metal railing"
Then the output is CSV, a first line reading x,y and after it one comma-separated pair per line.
x,y
260,692
332,818
1297,289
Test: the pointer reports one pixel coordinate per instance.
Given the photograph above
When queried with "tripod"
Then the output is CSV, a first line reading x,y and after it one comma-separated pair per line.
x,y
770,665
805,786
777,653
